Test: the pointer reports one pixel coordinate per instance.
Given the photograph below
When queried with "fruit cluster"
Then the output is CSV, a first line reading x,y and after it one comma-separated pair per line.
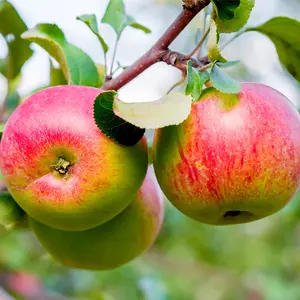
x,y
96,204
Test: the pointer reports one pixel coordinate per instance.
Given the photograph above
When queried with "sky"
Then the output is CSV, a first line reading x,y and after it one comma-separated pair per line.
x,y
253,49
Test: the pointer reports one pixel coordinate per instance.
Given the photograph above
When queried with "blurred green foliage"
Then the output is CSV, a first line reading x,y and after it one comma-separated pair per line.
x,y
258,260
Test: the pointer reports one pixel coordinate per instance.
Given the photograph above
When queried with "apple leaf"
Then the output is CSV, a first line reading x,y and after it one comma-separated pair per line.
x,y
228,63
1,132
3,66
132,23
214,53
225,9
196,79
113,126
172,109
102,73
12,99
56,76
77,67
91,22
284,33
11,27
116,17
241,16
10,212
223,82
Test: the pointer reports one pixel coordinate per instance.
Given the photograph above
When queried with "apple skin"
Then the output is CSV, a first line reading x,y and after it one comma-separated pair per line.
x,y
103,176
231,164
113,243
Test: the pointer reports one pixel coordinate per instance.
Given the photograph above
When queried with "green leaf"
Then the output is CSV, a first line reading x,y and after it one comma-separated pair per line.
x,y
1,132
228,64
111,125
102,73
10,212
132,23
116,17
77,67
214,53
13,98
196,79
3,66
11,27
241,16
222,82
225,9
56,76
172,109
91,22
204,76
284,33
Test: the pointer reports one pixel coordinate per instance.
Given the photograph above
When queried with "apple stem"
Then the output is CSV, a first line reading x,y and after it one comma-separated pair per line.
x,y
160,51
62,166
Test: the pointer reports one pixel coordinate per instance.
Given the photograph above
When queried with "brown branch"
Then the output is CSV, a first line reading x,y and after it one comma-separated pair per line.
x,y
159,52
179,60
192,3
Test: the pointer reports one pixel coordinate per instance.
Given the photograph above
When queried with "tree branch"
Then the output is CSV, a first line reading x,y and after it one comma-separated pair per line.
x,y
160,52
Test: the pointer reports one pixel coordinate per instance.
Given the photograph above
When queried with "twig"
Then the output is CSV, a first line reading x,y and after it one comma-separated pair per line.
x,y
177,83
232,39
204,60
159,50
105,65
199,44
179,60
113,58
205,67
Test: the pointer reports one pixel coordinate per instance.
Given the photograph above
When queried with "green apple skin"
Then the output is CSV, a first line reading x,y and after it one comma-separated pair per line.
x,y
100,176
229,164
113,243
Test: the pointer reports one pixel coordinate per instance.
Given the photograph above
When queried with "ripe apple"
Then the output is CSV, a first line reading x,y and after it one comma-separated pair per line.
x,y
24,284
113,243
60,168
235,159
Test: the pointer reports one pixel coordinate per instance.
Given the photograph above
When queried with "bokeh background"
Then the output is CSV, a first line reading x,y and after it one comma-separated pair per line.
x,y
255,261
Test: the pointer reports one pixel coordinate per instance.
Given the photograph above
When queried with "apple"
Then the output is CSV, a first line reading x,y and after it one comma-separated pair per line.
x,y
235,159
24,284
60,168
113,243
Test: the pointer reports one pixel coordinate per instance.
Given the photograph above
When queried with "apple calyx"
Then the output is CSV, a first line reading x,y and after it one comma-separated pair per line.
x,y
62,166
237,213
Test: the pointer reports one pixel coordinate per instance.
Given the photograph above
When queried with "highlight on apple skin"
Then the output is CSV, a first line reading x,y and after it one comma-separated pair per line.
x,y
235,159
114,243
60,168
